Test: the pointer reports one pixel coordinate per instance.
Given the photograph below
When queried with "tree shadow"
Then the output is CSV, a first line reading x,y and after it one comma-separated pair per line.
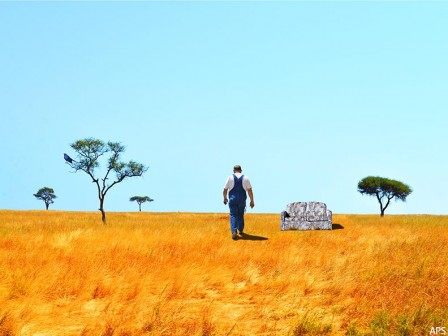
x,y
246,236
336,226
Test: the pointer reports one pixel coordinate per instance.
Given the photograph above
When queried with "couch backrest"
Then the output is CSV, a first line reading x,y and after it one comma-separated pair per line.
x,y
296,209
309,211
316,211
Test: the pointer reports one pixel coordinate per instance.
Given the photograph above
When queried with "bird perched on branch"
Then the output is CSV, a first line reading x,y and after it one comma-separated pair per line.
x,y
68,158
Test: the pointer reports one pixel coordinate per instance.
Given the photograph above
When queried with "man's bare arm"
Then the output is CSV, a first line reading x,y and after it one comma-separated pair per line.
x,y
251,196
224,194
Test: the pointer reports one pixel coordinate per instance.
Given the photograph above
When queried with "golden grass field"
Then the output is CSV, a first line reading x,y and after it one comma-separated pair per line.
x,y
65,273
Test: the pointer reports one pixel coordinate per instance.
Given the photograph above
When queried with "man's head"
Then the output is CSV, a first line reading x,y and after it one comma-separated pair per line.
x,y
237,169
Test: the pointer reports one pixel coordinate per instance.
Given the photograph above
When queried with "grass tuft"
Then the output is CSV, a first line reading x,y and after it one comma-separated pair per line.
x,y
311,325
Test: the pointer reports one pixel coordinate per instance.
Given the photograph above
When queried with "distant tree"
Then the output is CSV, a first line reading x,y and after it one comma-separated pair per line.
x,y
45,194
384,189
140,200
89,151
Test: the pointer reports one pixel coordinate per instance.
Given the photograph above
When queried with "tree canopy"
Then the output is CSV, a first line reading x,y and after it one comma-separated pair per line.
x,y
47,195
89,151
384,189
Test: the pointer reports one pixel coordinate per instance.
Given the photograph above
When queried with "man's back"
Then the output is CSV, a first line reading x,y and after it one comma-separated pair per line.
x,y
230,182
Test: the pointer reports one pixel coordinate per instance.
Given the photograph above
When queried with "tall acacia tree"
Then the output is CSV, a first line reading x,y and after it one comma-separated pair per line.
x,y
89,151
47,195
140,200
384,189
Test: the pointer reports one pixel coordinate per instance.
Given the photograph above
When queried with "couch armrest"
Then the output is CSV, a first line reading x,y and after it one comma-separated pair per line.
x,y
329,216
283,215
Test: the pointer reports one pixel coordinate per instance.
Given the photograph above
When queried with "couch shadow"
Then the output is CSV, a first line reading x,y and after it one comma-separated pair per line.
x,y
246,236
336,226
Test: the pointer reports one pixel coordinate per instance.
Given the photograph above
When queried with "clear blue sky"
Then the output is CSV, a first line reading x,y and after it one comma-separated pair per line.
x,y
309,97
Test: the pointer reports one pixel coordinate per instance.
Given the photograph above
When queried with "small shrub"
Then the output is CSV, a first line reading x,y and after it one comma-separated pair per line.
x,y
353,331
380,324
403,327
307,325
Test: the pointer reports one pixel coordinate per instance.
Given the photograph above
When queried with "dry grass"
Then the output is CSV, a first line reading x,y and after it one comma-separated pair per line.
x,y
64,273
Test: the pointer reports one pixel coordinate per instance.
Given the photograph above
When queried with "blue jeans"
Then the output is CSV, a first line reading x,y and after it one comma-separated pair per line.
x,y
237,215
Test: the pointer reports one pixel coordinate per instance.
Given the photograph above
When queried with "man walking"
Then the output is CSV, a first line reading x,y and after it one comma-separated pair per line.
x,y
237,185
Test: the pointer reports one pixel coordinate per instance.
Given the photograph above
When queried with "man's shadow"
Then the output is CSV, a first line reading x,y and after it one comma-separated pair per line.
x,y
246,236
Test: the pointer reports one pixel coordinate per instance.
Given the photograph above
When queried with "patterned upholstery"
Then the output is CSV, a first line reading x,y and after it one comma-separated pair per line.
x,y
306,216
297,209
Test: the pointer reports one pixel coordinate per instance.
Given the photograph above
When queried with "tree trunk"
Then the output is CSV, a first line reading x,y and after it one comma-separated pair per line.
x,y
382,211
140,207
385,207
381,204
46,205
103,214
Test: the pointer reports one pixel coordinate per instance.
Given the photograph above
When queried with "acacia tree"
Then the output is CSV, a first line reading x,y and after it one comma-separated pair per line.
x,y
45,194
140,200
384,189
89,151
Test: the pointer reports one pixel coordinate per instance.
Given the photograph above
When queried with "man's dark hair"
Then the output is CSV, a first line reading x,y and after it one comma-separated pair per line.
x,y
237,168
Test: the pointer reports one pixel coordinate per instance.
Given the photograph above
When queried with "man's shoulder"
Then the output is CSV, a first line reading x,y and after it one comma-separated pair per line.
x,y
231,177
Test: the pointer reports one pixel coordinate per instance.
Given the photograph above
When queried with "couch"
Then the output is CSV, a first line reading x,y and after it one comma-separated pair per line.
x,y
306,216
